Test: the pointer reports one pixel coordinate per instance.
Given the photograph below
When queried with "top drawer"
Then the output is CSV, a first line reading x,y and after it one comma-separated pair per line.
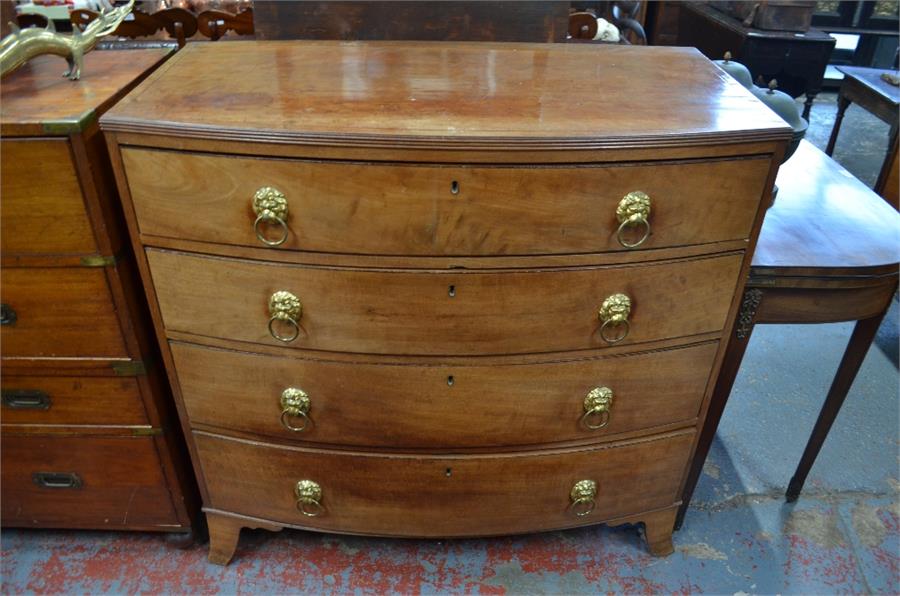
x,y
43,210
437,210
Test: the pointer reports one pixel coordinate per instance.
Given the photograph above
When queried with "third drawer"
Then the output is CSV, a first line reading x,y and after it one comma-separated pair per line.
x,y
442,406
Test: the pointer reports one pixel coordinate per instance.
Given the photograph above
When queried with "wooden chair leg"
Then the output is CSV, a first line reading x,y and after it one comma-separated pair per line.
x,y
224,533
658,527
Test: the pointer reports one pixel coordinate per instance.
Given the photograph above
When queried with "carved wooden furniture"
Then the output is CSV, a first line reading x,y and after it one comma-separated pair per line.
x,y
407,292
828,252
89,435
866,88
796,61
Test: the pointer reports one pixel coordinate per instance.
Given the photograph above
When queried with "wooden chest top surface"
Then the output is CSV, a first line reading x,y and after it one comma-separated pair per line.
x,y
430,94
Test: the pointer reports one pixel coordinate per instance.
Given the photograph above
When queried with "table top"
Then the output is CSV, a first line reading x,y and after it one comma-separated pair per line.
x,y
871,79
439,94
38,100
825,222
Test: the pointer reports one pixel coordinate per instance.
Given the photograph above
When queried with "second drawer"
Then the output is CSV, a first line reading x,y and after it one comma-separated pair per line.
x,y
427,312
417,406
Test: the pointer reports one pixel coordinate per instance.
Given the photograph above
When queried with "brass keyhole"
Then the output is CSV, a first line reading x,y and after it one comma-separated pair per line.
x,y
454,187
450,381
448,472
451,291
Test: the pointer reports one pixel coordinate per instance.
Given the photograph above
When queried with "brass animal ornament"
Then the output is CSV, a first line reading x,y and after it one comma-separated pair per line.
x,y
24,44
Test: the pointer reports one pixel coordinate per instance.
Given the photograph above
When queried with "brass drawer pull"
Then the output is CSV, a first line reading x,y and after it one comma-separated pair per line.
x,y
57,479
309,498
633,210
271,208
614,313
596,408
7,315
284,307
295,404
582,495
25,399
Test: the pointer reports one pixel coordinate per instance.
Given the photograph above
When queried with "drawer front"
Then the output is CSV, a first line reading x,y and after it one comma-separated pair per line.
x,y
415,406
71,401
59,312
441,312
43,209
401,209
83,482
405,495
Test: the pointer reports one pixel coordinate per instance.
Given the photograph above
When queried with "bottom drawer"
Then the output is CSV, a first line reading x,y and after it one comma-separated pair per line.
x,y
83,482
446,496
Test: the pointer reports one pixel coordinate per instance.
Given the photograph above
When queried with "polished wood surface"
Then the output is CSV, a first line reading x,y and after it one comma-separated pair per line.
x,y
116,492
74,401
70,307
405,209
362,311
828,252
400,406
823,222
400,495
515,96
36,100
43,211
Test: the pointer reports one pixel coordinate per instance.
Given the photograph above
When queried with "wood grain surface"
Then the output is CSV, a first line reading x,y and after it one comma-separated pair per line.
x,y
482,404
43,210
407,209
77,401
414,313
445,95
398,495
61,312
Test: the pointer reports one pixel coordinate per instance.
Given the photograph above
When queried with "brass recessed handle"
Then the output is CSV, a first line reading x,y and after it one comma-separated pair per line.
x,y
8,315
271,208
25,399
597,404
633,211
284,307
57,479
614,313
295,404
582,496
309,498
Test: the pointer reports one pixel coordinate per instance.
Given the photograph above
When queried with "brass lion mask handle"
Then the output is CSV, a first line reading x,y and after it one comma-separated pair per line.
x,y
633,211
582,496
271,209
284,307
295,404
614,313
597,404
309,498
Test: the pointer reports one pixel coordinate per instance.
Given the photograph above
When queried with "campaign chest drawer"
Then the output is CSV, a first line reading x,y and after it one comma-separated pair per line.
x,y
59,312
479,404
89,482
441,496
71,400
421,209
43,208
440,312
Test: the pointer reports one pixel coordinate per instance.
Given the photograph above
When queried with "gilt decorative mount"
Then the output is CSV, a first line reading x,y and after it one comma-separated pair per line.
x,y
24,44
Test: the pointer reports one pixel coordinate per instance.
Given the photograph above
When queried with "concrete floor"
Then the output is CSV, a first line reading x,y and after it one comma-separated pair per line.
x,y
843,535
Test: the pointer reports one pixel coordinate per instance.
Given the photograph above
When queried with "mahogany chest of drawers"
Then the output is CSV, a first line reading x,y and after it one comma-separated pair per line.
x,y
90,437
441,290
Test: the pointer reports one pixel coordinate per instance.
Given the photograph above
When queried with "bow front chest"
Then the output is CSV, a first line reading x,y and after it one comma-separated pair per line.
x,y
442,290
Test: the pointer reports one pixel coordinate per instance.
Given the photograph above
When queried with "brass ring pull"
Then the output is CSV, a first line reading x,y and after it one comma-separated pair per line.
x,y
270,206
596,408
582,496
614,313
295,403
309,498
633,210
286,308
